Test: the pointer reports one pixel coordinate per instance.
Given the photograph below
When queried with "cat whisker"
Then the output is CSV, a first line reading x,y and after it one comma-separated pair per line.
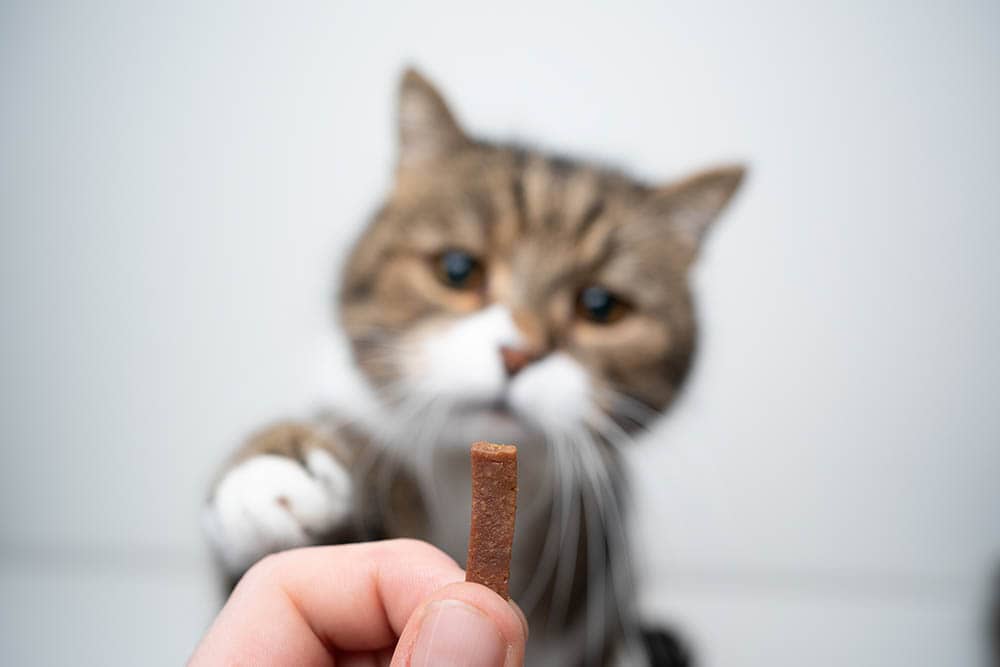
x,y
394,435
549,560
596,613
428,435
569,537
636,411
609,494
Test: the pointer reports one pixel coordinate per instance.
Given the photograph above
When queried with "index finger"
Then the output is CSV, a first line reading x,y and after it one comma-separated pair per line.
x,y
298,606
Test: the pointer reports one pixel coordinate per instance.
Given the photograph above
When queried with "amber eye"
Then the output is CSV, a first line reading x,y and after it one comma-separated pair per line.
x,y
600,306
459,270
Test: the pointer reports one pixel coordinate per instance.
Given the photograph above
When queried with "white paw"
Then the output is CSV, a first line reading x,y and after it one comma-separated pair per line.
x,y
272,503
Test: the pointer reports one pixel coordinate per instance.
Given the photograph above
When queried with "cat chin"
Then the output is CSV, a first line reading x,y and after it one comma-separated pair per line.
x,y
492,424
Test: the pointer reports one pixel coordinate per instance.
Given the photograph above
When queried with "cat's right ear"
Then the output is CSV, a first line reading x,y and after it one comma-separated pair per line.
x,y
427,129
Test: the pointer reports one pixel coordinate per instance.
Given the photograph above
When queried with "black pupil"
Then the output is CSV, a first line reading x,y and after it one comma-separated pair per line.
x,y
457,266
598,303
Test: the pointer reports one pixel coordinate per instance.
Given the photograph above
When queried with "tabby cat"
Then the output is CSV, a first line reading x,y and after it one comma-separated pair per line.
x,y
507,294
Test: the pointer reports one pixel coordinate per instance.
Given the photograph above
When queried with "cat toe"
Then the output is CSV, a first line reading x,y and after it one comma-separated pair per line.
x,y
272,503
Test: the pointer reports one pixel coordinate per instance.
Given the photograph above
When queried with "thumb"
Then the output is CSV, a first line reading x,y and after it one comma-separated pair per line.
x,y
463,625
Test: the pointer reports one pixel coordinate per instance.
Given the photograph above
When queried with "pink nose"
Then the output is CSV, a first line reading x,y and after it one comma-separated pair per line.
x,y
515,359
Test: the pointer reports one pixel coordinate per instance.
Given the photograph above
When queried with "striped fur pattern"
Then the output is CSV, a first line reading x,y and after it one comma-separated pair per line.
x,y
544,226
498,293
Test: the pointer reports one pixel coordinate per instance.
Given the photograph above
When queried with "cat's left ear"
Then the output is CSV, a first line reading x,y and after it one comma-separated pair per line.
x,y
692,204
427,129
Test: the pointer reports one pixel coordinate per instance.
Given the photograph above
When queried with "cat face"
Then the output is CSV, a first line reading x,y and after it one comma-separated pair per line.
x,y
529,288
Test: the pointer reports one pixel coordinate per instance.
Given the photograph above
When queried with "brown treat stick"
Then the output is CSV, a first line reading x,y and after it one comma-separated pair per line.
x,y
494,503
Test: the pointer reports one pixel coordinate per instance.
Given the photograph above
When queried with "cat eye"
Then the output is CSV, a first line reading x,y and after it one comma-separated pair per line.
x,y
459,270
598,305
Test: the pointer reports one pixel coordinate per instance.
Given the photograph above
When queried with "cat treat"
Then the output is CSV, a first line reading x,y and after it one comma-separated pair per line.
x,y
494,503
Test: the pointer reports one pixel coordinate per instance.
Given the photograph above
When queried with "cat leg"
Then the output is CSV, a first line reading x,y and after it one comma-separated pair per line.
x,y
289,486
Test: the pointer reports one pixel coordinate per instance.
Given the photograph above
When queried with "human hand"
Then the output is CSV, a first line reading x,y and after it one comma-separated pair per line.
x,y
401,603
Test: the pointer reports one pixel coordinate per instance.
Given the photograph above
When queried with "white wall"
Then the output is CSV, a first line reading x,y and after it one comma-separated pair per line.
x,y
178,179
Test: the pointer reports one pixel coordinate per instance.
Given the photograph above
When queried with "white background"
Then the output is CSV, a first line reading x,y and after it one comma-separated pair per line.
x,y
178,181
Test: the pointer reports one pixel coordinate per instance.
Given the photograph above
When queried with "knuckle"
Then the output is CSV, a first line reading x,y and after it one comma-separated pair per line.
x,y
264,570
417,548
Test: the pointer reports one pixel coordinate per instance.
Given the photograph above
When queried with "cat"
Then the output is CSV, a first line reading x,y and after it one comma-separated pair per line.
x,y
507,294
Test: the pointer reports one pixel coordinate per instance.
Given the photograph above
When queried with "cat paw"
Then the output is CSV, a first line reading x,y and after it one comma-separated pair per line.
x,y
270,503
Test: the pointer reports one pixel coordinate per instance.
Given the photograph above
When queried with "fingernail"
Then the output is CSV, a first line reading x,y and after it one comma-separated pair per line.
x,y
455,634
520,616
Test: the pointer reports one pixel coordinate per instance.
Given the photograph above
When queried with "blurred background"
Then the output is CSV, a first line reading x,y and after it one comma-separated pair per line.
x,y
179,180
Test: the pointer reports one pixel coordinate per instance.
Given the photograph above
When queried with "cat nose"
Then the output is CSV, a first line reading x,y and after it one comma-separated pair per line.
x,y
515,359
